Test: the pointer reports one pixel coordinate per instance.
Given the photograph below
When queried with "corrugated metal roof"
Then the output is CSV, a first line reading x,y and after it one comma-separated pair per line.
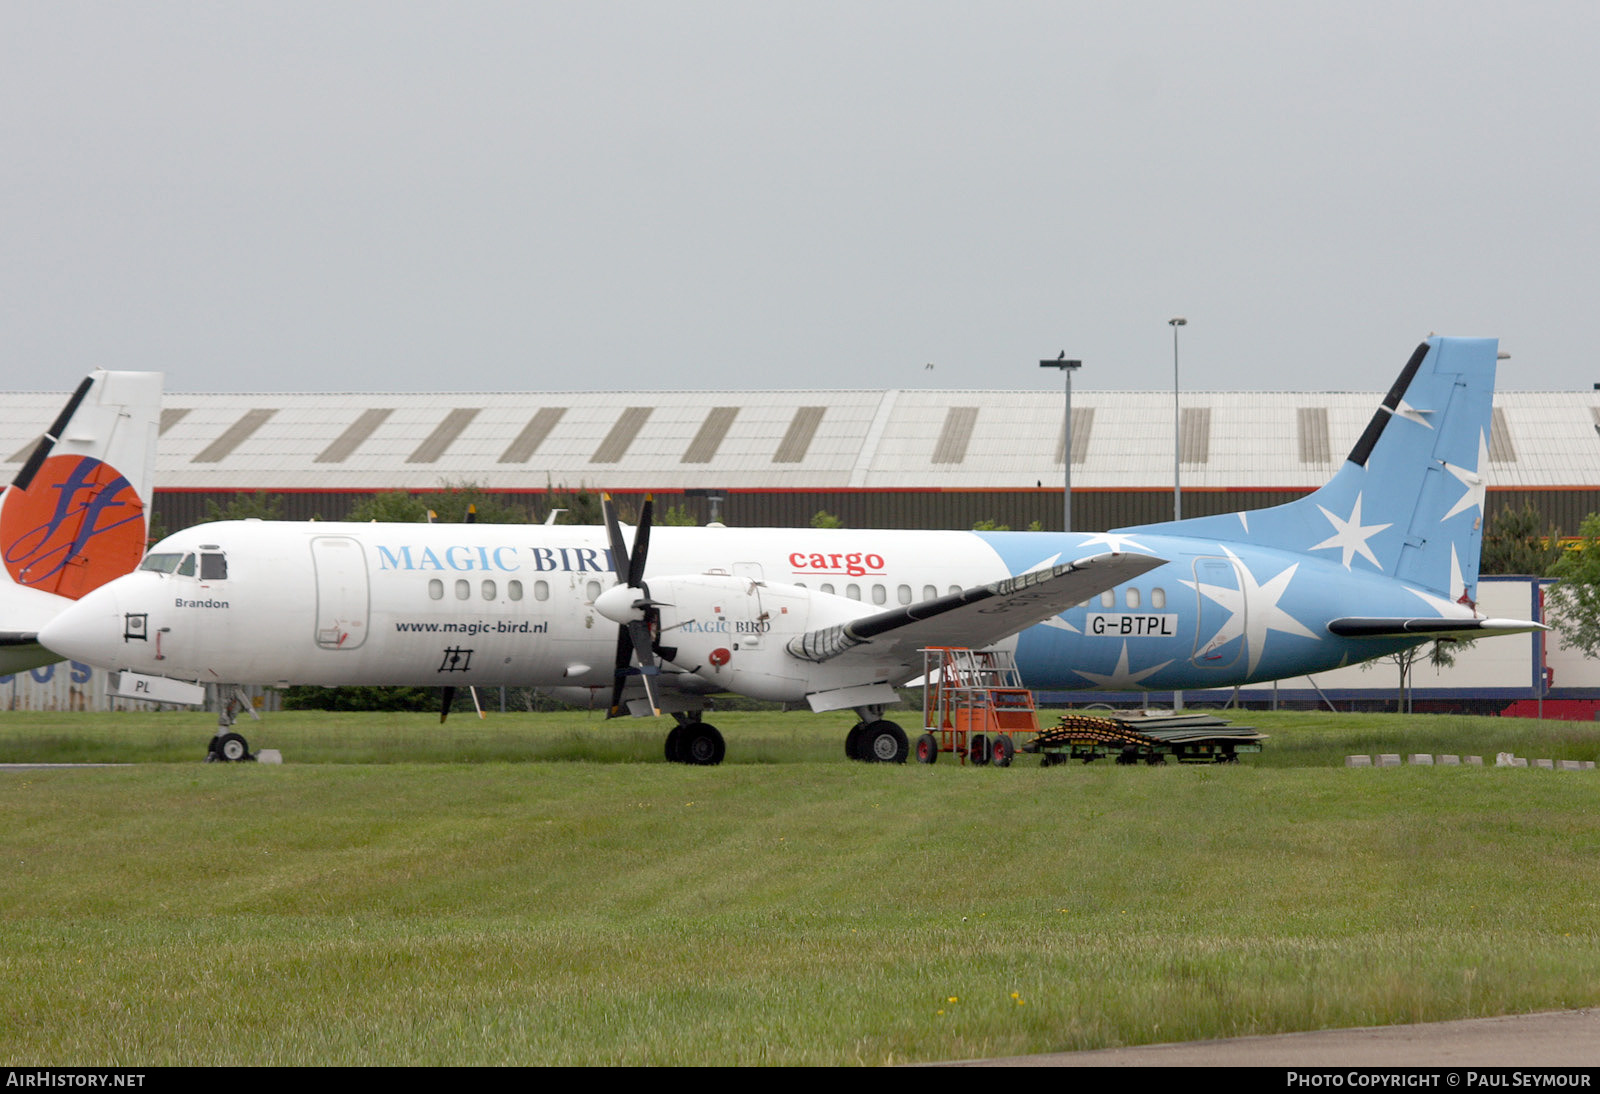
x,y
797,439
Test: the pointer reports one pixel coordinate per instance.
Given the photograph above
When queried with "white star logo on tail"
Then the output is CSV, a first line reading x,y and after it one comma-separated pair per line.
x,y
1472,480
1351,536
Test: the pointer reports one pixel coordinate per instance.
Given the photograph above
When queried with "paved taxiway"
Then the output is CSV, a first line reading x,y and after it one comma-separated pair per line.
x,y
1566,1038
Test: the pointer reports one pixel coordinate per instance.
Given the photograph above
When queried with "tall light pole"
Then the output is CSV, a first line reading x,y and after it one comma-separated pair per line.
x,y
1068,368
1177,454
1177,422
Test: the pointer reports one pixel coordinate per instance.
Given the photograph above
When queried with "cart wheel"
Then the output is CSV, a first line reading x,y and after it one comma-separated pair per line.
x,y
927,749
978,749
1003,750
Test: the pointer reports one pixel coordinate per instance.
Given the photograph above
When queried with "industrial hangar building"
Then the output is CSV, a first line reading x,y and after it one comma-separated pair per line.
x,y
899,458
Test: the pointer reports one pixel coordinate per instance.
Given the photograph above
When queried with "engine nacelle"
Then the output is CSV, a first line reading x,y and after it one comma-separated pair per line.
x,y
733,631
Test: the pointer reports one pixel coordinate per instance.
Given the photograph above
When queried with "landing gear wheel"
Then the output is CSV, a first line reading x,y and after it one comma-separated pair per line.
x,y
885,743
674,747
927,749
978,749
701,745
852,742
1003,750
229,748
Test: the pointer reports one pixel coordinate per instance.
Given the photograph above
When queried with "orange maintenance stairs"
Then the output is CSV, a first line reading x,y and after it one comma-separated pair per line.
x,y
973,702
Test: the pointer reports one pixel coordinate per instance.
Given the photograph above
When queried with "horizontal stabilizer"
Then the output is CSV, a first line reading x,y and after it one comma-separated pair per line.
x,y
980,616
1393,627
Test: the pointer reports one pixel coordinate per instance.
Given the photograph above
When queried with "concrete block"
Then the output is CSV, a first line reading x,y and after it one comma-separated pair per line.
x,y
1389,759
1450,761
1422,758
1358,761
1475,761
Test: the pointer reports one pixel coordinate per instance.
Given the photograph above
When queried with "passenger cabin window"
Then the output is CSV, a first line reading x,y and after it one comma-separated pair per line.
x,y
514,590
1158,597
488,590
1108,599
463,589
1133,598
435,589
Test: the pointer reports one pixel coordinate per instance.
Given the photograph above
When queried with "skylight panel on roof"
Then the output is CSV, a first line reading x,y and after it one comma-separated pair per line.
x,y
797,438
443,435
703,449
533,435
236,434
622,434
350,440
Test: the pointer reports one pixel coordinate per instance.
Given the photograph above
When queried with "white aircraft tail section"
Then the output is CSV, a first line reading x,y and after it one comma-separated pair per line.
x,y
76,515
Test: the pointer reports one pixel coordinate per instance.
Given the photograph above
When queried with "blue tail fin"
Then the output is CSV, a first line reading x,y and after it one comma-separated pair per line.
x,y
1408,501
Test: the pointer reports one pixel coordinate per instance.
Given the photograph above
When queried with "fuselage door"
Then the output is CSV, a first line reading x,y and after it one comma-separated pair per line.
x,y
1219,635
342,597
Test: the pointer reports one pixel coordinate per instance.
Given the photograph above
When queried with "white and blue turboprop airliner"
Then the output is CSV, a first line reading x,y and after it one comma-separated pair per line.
x,y
1383,557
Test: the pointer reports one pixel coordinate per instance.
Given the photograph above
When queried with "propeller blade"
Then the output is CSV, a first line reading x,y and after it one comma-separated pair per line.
x,y
620,677
641,544
639,635
619,549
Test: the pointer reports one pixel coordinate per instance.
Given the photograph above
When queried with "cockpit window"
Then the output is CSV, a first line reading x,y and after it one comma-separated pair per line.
x,y
162,563
186,567
213,567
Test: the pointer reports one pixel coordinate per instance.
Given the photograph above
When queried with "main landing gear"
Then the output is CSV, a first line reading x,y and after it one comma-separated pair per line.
x,y
876,740
227,746
695,742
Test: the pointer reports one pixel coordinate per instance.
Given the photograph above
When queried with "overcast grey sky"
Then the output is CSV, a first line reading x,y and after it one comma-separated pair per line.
x,y
523,196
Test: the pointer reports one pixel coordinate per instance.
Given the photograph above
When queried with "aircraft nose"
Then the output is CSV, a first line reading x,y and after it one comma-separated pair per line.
x,y
88,630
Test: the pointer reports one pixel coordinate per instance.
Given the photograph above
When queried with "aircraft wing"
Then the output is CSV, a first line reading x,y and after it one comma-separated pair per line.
x,y
1399,627
976,617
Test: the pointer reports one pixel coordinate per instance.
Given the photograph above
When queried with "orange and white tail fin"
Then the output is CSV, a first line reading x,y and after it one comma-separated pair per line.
x,y
76,515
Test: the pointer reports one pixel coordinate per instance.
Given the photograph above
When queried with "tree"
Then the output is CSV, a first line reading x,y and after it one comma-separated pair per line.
x,y
258,506
989,524
1573,602
1440,653
825,519
449,504
1517,542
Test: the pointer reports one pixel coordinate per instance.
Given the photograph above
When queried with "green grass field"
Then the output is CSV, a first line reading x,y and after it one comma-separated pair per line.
x,y
541,889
